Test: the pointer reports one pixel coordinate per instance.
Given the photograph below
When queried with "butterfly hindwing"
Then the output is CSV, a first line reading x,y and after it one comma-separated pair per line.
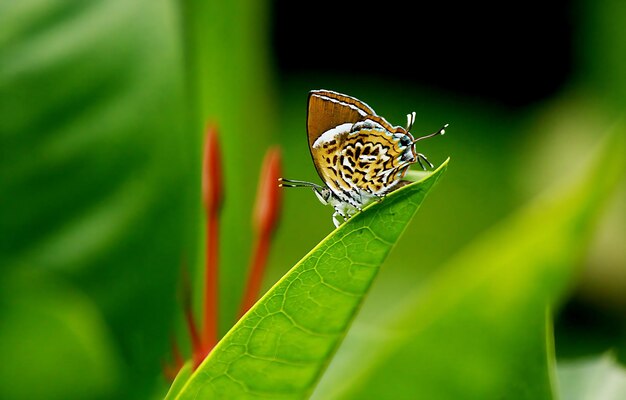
x,y
364,161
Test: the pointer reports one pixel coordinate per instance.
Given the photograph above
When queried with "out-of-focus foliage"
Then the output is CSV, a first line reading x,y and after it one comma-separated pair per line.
x,y
96,176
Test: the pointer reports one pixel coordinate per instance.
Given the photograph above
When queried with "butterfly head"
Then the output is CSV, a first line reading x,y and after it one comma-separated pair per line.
x,y
407,141
407,145
323,194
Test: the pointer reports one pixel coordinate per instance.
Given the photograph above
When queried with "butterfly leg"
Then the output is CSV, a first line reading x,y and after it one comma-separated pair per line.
x,y
336,216
421,157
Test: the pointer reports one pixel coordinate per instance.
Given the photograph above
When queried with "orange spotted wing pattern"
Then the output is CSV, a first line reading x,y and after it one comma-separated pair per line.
x,y
358,154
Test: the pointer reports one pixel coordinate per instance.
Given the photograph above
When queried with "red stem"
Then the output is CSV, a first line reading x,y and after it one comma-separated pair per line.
x,y
171,369
257,267
212,199
196,344
211,284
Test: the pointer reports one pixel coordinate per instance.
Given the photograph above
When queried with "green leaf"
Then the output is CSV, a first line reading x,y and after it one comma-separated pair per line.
x,y
598,378
54,342
97,169
282,345
477,329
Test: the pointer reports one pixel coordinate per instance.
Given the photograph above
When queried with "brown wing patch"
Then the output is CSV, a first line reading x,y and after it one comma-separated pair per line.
x,y
327,110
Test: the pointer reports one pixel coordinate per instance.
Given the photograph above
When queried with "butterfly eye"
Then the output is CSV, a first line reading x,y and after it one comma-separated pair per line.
x,y
405,141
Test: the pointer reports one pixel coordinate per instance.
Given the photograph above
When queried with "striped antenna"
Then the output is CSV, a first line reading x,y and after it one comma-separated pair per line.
x,y
295,183
439,132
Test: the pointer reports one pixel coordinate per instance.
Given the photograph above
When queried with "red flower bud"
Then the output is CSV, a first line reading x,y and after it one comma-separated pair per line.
x,y
268,199
211,172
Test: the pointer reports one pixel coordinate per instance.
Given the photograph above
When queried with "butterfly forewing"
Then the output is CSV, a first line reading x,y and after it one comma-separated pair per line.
x,y
328,110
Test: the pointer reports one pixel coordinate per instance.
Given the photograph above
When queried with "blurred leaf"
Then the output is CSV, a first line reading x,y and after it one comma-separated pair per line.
x,y
477,328
602,47
97,169
282,345
599,378
49,336
179,382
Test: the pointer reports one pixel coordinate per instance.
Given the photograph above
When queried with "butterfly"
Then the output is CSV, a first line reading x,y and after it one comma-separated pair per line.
x,y
359,156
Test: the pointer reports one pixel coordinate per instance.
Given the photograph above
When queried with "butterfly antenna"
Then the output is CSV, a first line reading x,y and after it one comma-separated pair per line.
x,y
439,132
410,120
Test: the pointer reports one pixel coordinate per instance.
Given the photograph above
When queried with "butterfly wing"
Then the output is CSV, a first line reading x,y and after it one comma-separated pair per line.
x,y
330,116
328,110
366,162
357,153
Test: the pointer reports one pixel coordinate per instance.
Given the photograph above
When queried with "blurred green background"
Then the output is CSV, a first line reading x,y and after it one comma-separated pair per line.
x,y
102,110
